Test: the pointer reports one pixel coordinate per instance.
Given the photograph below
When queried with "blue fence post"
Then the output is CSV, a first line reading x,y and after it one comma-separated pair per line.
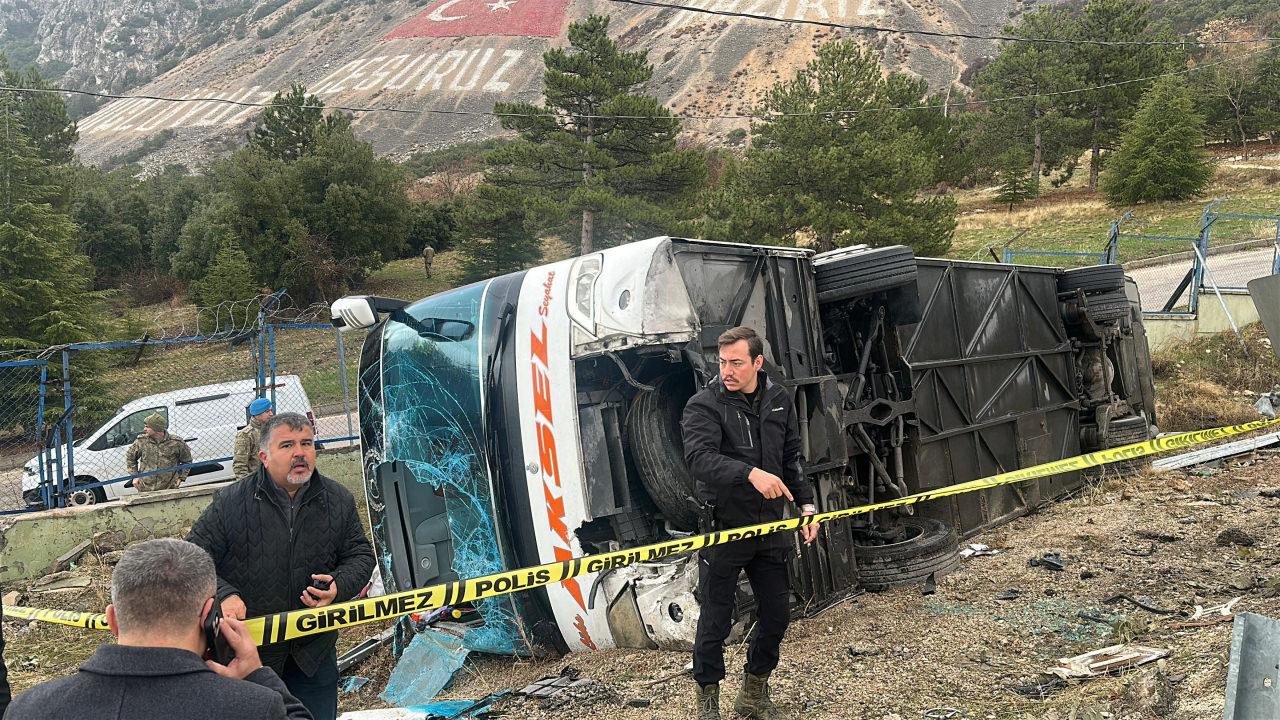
x,y
42,451
271,335
1197,272
1113,243
1275,253
66,406
53,491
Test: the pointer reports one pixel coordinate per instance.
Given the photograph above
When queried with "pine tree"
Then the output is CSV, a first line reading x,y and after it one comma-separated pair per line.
x,y
597,177
495,238
1115,71
225,288
49,128
1016,187
46,286
1160,157
1035,123
840,177
294,123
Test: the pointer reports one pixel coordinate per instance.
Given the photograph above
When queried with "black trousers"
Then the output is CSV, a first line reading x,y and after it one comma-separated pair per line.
x,y
318,692
718,583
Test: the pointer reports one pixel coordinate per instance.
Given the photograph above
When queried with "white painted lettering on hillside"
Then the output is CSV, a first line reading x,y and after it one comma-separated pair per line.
x,y
823,10
453,73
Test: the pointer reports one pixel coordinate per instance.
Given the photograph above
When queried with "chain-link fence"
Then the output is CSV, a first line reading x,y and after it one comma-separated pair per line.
x,y
165,410
22,415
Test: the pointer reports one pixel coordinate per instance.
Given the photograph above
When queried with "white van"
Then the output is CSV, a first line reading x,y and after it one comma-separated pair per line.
x,y
206,417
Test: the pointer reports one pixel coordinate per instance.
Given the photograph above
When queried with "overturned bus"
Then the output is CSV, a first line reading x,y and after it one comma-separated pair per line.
x,y
534,417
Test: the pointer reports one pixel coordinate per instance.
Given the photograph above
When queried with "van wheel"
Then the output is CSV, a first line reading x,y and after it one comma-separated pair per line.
x,y
87,496
653,431
930,547
855,272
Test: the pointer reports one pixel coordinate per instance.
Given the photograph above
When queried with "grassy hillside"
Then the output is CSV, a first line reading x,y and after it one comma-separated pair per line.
x,y
1074,219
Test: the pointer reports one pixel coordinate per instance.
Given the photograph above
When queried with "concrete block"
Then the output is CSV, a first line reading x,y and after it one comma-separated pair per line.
x,y
31,543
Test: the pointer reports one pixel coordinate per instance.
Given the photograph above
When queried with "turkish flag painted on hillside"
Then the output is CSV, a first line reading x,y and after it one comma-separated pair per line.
x,y
471,18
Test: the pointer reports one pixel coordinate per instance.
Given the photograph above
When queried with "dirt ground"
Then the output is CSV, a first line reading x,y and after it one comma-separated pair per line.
x,y
897,655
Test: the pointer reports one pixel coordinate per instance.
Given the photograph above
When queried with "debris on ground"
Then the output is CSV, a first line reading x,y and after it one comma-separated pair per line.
x,y
64,581
1158,536
1235,536
977,550
1010,594
1106,660
1138,603
66,560
1048,561
1152,692
553,685
426,667
353,683
1040,691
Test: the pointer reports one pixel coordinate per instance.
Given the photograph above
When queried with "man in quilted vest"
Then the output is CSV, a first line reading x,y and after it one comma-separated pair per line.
x,y
284,538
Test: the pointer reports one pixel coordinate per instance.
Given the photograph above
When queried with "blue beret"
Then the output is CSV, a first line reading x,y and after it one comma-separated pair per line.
x,y
259,406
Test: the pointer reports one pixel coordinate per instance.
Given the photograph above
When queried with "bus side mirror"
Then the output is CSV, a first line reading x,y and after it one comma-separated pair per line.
x,y
360,312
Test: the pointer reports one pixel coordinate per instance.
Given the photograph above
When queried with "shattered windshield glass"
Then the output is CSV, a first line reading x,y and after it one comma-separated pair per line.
x,y
433,366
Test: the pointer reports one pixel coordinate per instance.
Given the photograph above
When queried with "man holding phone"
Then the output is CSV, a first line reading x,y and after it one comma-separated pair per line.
x,y
161,597
284,538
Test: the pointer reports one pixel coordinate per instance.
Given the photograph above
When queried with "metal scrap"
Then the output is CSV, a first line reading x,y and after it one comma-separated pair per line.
x,y
1040,691
553,685
1253,692
1048,561
1145,606
1106,660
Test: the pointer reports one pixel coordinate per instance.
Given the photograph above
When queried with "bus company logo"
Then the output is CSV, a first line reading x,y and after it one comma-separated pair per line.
x,y
472,18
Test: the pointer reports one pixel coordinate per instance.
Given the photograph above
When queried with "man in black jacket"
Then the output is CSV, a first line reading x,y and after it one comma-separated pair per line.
x,y
161,592
742,444
284,538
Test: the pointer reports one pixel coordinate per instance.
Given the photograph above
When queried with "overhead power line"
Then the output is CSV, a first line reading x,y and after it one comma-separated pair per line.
x,y
727,116
932,33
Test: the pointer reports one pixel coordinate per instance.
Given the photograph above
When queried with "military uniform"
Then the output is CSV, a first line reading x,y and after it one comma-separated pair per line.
x,y
244,459
146,454
428,256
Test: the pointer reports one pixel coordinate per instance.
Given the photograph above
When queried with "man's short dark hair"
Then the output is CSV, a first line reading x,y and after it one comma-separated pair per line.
x,y
755,346
162,584
292,420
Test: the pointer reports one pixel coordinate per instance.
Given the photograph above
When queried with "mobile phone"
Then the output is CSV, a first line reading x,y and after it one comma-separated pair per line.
x,y
319,585
217,648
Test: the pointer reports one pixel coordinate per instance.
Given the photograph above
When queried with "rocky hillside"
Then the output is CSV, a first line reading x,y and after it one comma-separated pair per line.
x,y
454,56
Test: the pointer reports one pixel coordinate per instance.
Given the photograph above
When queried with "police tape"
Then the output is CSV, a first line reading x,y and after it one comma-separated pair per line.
x,y
74,618
293,624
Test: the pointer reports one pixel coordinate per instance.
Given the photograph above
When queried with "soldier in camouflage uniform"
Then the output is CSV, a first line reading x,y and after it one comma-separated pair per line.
x,y
244,459
155,448
428,257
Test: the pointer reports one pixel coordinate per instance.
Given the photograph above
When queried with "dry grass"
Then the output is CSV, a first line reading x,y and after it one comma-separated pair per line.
x,y
1210,382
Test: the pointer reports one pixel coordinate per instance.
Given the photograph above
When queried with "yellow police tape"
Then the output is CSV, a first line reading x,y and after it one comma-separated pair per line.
x,y
310,621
